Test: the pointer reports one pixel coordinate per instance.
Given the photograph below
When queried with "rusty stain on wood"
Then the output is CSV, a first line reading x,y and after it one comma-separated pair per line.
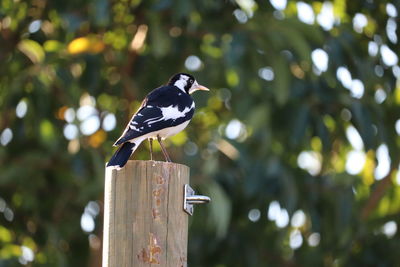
x,y
157,193
153,249
144,223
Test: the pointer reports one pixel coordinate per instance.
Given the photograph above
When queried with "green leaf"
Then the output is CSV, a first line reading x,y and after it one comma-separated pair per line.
x,y
52,46
32,50
282,80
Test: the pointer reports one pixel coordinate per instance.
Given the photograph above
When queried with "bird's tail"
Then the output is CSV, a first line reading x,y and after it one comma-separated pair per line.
x,y
121,156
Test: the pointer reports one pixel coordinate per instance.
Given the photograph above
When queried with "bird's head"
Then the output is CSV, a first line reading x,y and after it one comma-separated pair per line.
x,y
186,83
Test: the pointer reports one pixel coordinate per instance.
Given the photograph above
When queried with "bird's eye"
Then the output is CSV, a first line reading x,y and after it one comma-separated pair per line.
x,y
191,81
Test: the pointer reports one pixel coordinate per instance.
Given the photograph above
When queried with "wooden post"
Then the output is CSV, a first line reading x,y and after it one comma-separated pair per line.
x,y
144,221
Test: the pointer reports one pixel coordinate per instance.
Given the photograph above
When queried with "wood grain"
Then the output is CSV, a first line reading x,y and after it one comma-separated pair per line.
x,y
144,221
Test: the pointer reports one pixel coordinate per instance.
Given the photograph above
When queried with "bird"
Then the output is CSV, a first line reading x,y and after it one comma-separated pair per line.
x,y
164,112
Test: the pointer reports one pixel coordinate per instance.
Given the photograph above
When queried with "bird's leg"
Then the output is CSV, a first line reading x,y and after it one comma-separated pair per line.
x,y
167,158
151,148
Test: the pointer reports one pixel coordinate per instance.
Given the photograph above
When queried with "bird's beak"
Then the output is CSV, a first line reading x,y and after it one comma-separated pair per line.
x,y
196,87
201,87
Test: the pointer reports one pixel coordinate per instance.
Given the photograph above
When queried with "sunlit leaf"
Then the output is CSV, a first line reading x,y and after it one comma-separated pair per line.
x,y
47,130
232,78
5,235
89,44
33,50
369,167
9,251
52,46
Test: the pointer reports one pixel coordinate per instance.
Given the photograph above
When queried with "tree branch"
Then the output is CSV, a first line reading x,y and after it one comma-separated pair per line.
x,y
377,195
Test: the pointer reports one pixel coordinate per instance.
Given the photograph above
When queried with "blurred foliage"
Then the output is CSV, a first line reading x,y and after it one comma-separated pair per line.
x,y
270,144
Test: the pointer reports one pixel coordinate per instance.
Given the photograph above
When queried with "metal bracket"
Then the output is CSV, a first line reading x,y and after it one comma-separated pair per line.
x,y
190,199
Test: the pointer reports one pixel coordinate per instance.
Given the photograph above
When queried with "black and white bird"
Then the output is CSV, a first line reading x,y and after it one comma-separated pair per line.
x,y
165,111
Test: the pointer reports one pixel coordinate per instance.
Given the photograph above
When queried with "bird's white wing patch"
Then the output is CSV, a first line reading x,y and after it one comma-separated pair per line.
x,y
171,113
134,128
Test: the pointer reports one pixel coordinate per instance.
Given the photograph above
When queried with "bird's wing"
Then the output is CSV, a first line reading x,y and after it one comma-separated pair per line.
x,y
138,125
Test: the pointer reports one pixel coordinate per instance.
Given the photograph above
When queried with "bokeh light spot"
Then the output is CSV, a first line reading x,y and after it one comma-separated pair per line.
x,y
240,15
397,126
85,112
69,115
391,27
326,17
357,88
109,122
21,109
380,96
236,130
359,22
373,48
278,4
254,215
344,76
266,73
34,26
305,13
391,10
8,214
193,63
87,223
298,219
320,59
383,167
70,131
389,229
354,138
295,239
6,136
314,239
27,254
90,125
190,148
388,56
310,161
355,162
278,214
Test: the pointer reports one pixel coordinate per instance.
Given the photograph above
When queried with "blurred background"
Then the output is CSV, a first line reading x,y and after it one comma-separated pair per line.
x,y
297,142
